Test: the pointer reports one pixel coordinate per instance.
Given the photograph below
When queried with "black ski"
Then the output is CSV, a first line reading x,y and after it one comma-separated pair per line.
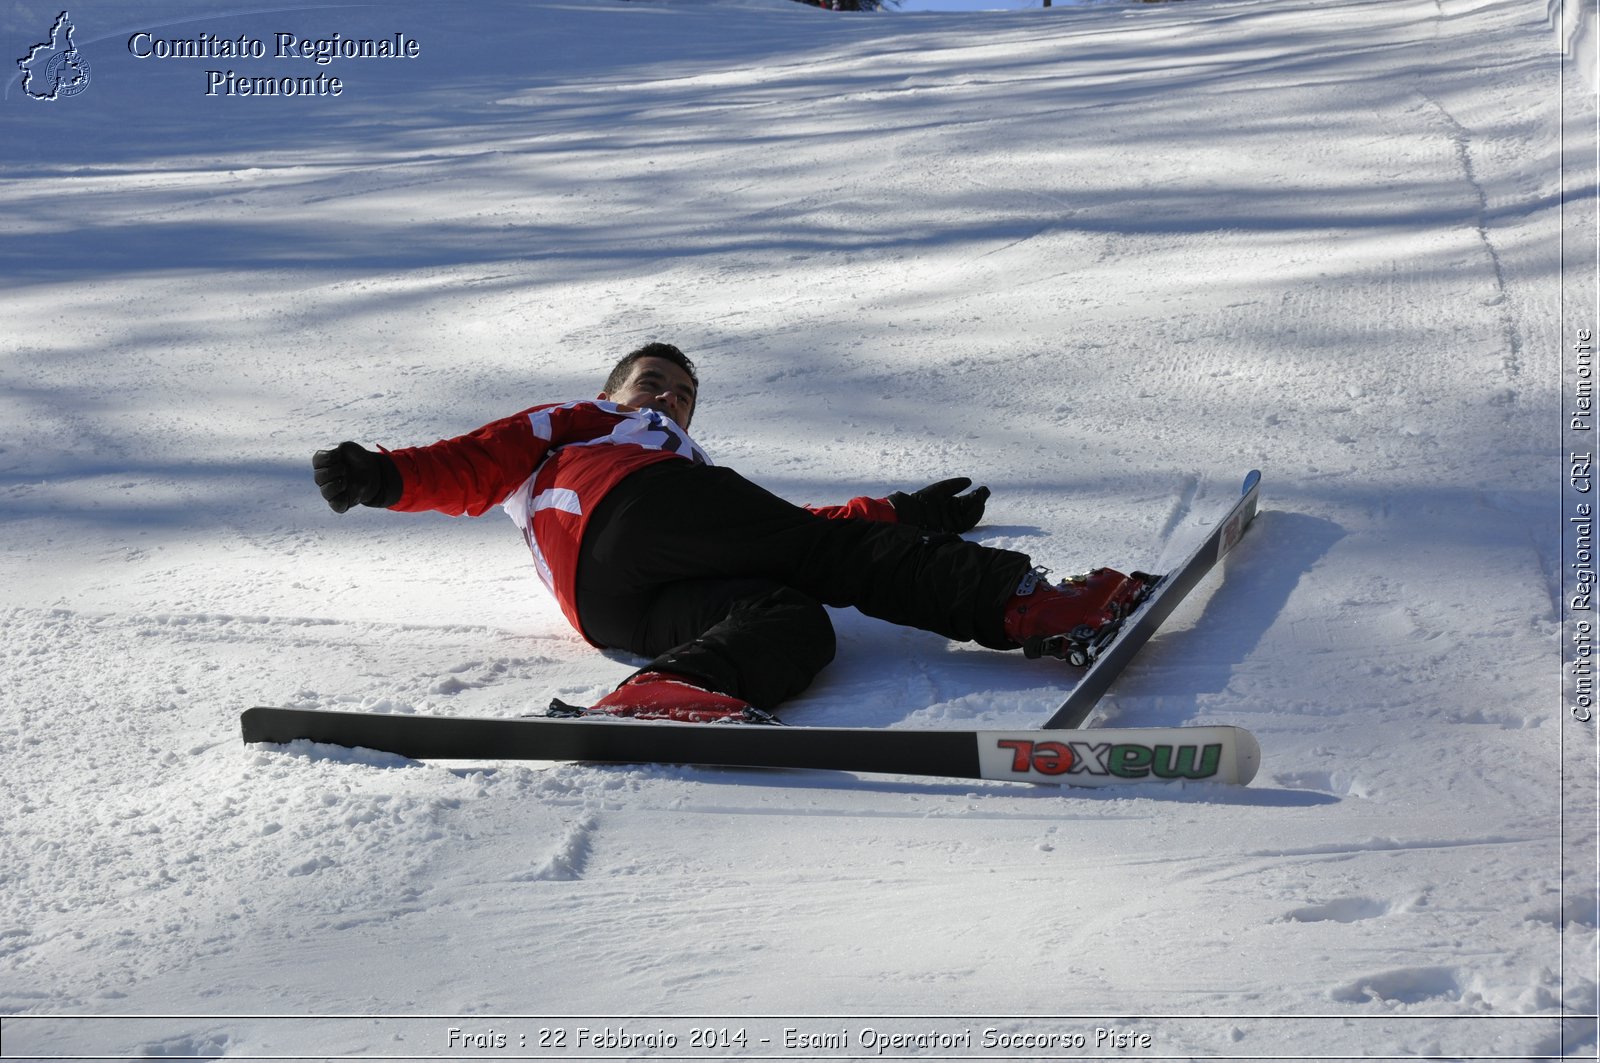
x,y
1090,758
1098,757
1171,590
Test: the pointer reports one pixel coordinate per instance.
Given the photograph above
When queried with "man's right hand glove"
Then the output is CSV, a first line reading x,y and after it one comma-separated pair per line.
x,y
351,475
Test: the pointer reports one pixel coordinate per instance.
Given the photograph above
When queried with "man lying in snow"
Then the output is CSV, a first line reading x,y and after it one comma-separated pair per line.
x,y
650,548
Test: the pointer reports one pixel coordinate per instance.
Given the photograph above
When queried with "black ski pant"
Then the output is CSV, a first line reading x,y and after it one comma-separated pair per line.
x,y
723,582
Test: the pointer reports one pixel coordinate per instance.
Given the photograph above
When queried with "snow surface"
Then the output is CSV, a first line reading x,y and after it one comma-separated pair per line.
x,y
1104,258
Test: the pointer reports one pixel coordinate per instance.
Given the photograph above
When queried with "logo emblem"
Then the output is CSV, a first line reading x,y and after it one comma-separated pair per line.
x,y
1125,760
55,68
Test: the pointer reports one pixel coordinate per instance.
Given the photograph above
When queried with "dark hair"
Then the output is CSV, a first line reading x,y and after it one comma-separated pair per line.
x,y
623,369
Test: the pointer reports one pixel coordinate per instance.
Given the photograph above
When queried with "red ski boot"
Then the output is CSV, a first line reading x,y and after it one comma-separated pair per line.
x,y
1074,619
661,696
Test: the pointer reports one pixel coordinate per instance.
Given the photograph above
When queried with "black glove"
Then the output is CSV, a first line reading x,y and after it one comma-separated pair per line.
x,y
351,475
941,507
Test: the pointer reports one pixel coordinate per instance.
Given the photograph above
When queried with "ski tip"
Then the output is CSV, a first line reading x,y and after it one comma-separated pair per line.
x,y
1251,479
1247,759
251,723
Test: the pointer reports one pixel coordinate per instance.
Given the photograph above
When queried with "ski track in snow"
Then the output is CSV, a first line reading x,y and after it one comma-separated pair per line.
x,y
1104,258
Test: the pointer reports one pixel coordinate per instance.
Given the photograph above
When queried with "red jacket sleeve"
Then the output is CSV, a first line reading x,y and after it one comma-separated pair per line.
x,y
470,474
860,508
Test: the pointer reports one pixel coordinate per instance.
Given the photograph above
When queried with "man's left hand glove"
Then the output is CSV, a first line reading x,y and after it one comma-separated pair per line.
x,y
941,507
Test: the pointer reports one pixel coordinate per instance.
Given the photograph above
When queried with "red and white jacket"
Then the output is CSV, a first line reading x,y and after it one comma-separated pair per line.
x,y
549,467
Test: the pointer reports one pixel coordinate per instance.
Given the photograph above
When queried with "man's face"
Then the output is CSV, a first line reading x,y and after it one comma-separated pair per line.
x,y
657,384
